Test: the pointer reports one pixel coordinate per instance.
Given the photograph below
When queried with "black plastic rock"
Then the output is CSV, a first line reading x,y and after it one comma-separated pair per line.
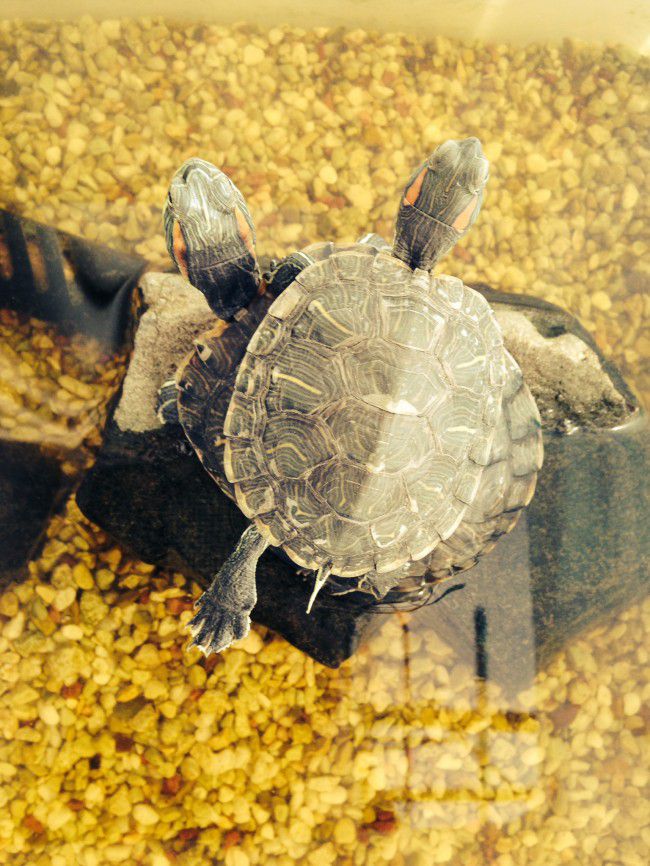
x,y
577,555
81,287
31,486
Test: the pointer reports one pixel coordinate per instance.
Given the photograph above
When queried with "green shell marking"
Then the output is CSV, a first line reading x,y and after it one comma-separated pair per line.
x,y
364,412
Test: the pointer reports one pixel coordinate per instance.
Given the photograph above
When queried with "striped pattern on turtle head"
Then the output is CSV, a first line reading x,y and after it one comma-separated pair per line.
x,y
441,202
211,237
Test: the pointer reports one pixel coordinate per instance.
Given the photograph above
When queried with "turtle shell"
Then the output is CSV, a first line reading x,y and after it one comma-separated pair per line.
x,y
205,382
364,411
507,486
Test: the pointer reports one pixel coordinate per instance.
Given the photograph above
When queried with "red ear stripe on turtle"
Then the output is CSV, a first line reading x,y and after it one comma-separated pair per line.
x,y
245,231
464,218
413,191
180,250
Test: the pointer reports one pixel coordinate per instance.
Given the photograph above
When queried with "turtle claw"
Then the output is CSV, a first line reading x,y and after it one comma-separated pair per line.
x,y
213,628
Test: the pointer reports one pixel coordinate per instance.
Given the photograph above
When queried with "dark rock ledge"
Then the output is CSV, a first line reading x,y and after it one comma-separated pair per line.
x,y
580,553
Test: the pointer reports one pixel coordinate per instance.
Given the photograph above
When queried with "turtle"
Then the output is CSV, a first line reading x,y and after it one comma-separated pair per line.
x,y
363,412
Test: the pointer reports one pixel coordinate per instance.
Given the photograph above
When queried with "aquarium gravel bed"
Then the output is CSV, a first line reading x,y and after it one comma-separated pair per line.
x,y
119,746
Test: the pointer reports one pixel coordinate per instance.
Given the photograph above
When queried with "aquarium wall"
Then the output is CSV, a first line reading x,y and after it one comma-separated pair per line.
x,y
504,724
508,20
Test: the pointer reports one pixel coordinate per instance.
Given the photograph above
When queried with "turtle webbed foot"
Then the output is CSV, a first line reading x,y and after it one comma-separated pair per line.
x,y
213,627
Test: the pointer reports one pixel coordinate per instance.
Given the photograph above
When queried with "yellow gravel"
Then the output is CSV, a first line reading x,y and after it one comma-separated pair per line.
x,y
119,746
54,389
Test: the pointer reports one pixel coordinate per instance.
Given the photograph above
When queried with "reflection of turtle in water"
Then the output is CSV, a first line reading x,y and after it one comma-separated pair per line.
x,y
368,420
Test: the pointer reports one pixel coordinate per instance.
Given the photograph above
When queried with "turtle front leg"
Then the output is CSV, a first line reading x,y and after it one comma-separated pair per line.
x,y
223,611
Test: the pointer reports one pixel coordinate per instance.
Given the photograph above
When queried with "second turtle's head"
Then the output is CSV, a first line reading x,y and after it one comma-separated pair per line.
x,y
211,237
455,177
441,202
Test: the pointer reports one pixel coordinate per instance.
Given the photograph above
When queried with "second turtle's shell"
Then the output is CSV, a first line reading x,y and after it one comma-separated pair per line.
x,y
364,411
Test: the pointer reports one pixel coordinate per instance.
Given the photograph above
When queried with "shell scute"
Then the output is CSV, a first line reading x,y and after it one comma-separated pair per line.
x,y
464,356
411,320
430,482
289,303
395,379
468,483
254,496
456,422
337,316
243,460
377,440
451,290
267,337
303,507
253,377
294,443
353,493
341,538
243,418
298,380
274,526
393,528
353,266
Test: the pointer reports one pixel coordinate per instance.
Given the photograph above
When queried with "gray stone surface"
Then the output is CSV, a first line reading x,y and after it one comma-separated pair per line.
x,y
566,374
174,314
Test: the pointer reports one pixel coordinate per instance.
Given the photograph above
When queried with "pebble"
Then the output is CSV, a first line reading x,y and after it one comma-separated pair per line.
x,y
145,814
361,197
9,603
76,146
83,576
598,134
253,55
533,756
536,163
58,817
14,628
74,386
631,703
49,714
328,174
601,301
541,196
252,643
564,840
111,28
64,598
345,832
273,116
442,853
237,857
53,114
630,196
53,155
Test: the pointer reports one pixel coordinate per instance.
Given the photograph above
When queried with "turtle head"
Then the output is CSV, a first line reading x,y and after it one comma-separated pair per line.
x,y
440,203
210,236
